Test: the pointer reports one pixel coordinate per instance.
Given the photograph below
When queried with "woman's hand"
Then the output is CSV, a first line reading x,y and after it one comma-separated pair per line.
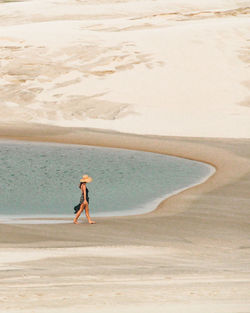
x,y
85,202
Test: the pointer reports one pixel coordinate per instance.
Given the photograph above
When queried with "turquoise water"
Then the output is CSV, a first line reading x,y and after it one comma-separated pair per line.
x,y
41,179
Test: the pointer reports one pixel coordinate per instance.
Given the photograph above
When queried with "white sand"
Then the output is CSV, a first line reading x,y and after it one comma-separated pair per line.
x,y
151,67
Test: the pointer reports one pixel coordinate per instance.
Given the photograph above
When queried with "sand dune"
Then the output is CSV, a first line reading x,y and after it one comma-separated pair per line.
x,y
176,68
180,66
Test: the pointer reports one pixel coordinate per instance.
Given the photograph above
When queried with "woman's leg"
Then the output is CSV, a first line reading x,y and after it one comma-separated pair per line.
x,y
78,214
87,214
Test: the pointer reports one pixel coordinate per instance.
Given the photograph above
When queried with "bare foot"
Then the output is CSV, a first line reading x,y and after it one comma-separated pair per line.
x,y
92,222
75,222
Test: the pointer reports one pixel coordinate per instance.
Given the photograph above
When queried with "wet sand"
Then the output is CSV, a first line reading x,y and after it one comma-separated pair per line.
x,y
191,254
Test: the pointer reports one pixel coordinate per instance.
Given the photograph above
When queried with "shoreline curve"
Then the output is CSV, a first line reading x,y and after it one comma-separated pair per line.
x,y
64,218
196,149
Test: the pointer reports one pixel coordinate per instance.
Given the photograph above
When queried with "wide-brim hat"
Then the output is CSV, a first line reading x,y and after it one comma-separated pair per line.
x,y
86,179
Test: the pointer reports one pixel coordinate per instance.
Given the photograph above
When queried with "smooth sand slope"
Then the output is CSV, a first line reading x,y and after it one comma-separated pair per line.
x,y
107,70
176,68
189,255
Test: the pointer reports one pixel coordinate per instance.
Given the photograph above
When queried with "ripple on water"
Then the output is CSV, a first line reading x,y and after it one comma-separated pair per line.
x,y
41,179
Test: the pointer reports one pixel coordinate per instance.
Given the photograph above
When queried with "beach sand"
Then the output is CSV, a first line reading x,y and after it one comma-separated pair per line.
x,y
163,76
191,254
171,68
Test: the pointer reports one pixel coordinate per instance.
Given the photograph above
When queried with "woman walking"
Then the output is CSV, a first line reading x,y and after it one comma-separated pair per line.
x,y
84,200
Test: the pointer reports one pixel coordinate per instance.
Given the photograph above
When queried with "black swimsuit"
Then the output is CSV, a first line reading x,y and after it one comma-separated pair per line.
x,y
87,196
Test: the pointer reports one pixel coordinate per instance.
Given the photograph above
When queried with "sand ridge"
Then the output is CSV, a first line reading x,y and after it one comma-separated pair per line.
x,y
180,66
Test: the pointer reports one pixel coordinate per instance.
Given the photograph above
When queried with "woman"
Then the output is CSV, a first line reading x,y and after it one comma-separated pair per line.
x,y
84,200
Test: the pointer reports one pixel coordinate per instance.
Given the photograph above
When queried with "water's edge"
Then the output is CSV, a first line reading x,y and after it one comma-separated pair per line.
x,y
149,207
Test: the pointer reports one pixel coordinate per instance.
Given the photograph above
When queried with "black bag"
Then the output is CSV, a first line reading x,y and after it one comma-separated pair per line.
x,y
77,208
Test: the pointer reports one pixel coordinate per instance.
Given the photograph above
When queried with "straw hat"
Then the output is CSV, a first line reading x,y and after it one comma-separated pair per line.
x,y
86,179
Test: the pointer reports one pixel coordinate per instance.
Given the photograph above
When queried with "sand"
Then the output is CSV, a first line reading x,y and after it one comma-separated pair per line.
x,y
180,66
169,77
191,254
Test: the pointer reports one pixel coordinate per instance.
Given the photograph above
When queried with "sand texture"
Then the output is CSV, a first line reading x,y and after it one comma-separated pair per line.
x,y
166,76
189,255
180,66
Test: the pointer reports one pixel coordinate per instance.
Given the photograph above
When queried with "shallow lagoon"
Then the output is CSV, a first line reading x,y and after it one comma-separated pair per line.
x,y
41,179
